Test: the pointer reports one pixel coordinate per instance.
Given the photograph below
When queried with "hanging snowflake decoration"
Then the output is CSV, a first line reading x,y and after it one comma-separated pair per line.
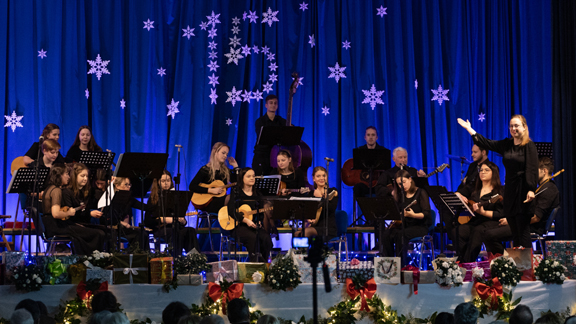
x,y
273,77
13,121
161,72
257,95
235,30
236,21
325,110
265,49
212,55
213,66
234,56
246,50
252,16
98,67
173,108
346,44
213,96
203,25
273,66
481,117
122,103
267,87
246,96
148,25
212,45
87,93
440,95
235,41
213,80
42,53
311,41
303,6
213,19
337,72
416,84
373,97
212,33
271,56
299,81
256,49
269,17
381,12
228,121
233,96
188,32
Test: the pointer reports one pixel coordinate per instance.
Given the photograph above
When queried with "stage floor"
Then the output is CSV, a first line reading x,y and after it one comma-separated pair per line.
x,y
141,301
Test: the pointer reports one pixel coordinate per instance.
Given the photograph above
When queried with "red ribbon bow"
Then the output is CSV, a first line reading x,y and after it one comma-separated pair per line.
x,y
84,294
485,291
215,292
367,291
415,276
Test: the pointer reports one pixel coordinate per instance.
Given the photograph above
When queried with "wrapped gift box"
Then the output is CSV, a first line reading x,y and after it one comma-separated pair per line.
x,y
130,268
469,267
350,269
564,252
247,269
161,270
50,263
305,270
77,273
190,279
11,260
426,277
387,270
226,269
100,274
523,260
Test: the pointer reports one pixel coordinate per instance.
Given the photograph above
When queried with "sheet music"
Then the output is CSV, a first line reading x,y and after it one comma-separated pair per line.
x,y
102,202
306,198
465,205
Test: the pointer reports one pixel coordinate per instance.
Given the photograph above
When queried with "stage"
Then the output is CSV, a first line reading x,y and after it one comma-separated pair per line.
x,y
142,300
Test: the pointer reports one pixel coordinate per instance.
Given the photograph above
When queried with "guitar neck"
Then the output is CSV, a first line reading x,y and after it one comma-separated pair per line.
x,y
261,210
229,185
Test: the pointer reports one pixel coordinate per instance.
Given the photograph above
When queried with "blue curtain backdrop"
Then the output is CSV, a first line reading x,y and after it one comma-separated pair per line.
x,y
494,57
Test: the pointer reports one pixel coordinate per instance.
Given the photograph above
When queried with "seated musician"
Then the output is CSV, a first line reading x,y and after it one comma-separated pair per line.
x,y
486,215
371,136
261,159
57,218
84,141
417,216
51,131
479,156
78,193
386,179
293,178
49,156
253,234
160,218
318,225
547,199
216,169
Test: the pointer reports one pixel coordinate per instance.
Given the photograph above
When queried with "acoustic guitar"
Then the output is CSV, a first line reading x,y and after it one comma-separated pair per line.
x,y
399,222
228,222
17,163
351,177
302,190
319,211
438,169
465,219
201,200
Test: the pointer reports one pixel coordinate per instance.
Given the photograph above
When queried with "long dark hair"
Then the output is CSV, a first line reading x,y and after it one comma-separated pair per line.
x,y
73,184
48,129
92,146
240,179
157,186
286,154
495,181
406,174
55,175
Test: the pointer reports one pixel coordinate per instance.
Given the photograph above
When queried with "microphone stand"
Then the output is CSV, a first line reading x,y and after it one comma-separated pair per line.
x,y
177,177
326,203
236,189
402,197
34,201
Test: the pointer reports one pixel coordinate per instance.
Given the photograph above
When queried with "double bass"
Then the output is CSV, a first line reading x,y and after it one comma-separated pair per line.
x,y
301,154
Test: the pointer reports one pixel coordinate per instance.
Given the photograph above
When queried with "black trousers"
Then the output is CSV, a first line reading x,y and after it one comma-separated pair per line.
x,y
393,236
253,238
494,237
86,240
520,227
471,238
187,239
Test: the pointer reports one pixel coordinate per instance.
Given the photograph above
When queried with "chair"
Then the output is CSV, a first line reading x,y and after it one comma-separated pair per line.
x,y
542,238
227,239
51,241
209,217
426,239
4,242
342,228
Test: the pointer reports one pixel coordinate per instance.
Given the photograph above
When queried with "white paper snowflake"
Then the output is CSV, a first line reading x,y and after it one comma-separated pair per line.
x,y
271,56
311,41
236,21
234,56
246,96
235,30
212,55
346,44
273,66
252,16
87,93
148,25
13,121
440,95
122,103
325,110
299,80
481,117
416,84
212,33
98,67
303,6
173,108
265,49
337,72
246,50
244,15
256,49
269,17
213,80
204,25
212,45
188,32
381,12
235,41
213,66
213,19
273,77
257,95
42,53
228,121
373,97
233,96
161,72
213,96
267,87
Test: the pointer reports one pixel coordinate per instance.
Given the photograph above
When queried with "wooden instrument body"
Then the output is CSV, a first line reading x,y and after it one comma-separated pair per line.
x,y
66,208
201,200
319,211
302,190
465,219
228,222
352,177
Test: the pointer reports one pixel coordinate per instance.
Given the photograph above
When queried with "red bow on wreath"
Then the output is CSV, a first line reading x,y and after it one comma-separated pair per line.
x,y
215,293
367,291
415,276
493,291
86,294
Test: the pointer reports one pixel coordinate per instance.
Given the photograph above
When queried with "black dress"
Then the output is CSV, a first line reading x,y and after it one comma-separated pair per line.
x,y
332,205
261,159
74,153
521,163
203,176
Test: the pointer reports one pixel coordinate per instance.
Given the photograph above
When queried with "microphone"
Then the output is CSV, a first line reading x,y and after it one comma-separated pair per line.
x,y
329,159
41,139
401,166
178,146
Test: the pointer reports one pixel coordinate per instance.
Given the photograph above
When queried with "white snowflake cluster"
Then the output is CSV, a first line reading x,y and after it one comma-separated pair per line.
x,y
98,67
440,95
373,97
13,121
337,72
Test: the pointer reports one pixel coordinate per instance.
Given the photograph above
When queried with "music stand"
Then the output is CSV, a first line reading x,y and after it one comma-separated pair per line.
x,y
371,160
97,160
120,199
544,149
456,206
180,201
296,208
268,185
434,194
379,210
23,182
280,135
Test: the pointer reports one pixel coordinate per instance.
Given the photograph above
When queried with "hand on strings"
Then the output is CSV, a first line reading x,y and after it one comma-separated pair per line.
x,y
529,196
464,199
250,223
421,173
475,208
503,222
96,213
232,162
409,213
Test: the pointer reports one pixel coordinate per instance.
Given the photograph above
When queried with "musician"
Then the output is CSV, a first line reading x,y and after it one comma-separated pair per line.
x,y
84,141
254,235
293,178
261,159
216,169
78,193
50,152
417,217
319,175
51,131
85,239
479,156
400,158
547,199
370,136
156,221
471,234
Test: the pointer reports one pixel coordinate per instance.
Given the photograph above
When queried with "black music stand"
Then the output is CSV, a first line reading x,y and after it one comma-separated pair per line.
x,y
97,160
280,135
445,213
296,208
456,206
121,198
544,149
268,185
380,210
23,182
180,201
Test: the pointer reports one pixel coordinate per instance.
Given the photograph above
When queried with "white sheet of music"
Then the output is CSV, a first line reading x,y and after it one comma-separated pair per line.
x,y
103,202
306,198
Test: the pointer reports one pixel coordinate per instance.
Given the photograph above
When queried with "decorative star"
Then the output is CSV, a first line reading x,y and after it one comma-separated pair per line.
x,y
148,24
244,15
87,93
213,19
42,53
303,6
482,117
213,80
246,50
299,80
213,96
271,56
236,21
257,95
273,66
188,32
13,121
373,97
267,87
161,72
246,96
212,45
269,17
235,30
122,103
212,33
381,12
233,96
173,108
311,41
440,95
265,49
234,56
325,110
213,66
273,77
346,44
256,49
252,16
212,55
228,121
235,41
416,84
337,72
98,67
203,25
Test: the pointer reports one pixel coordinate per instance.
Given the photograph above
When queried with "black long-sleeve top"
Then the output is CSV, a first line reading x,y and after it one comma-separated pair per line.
x,y
332,205
33,154
467,187
497,207
264,120
421,206
244,199
378,147
75,152
294,180
543,205
521,163
71,200
203,176
119,213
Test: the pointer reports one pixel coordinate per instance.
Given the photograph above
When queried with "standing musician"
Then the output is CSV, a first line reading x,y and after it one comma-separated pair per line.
x,y
216,169
155,219
51,131
316,228
417,216
84,141
487,216
520,158
371,136
78,192
294,178
261,159
400,158
56,219
548,198
255,236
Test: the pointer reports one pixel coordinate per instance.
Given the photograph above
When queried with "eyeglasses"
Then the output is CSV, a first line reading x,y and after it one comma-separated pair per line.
x,y
127,185
484,170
